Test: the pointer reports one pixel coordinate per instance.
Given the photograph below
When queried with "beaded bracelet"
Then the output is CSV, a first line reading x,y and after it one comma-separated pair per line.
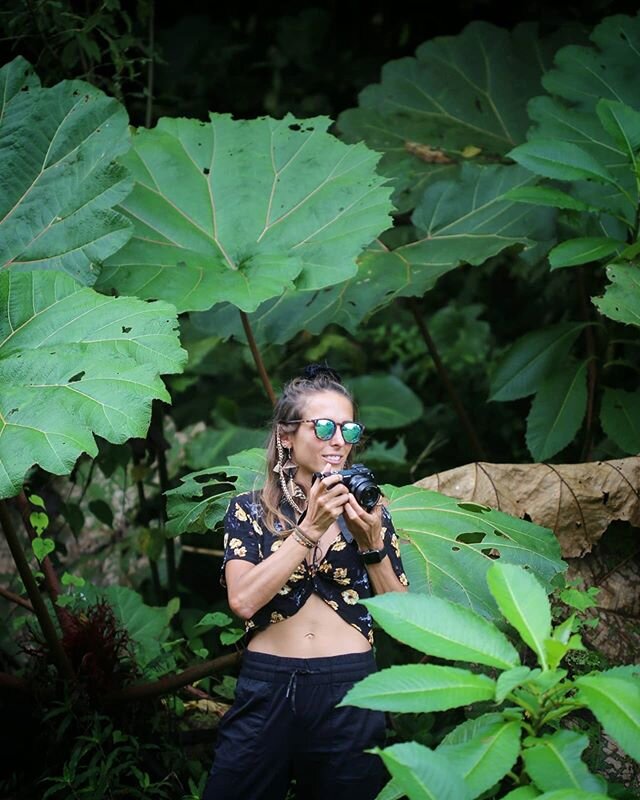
x,y
302,539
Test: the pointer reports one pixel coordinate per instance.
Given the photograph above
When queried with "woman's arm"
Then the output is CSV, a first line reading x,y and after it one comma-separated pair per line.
x,y
250,586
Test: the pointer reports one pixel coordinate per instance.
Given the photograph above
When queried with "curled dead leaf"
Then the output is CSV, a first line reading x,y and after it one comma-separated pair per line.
x,y
577,501
427,153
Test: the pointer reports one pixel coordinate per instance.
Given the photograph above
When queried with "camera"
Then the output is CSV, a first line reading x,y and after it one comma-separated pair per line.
x,y
361,482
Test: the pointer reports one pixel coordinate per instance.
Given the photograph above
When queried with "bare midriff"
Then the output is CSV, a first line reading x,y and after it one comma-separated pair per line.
x,y
314,631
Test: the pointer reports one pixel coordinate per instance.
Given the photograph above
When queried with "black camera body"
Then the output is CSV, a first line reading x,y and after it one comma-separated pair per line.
x,y
361,482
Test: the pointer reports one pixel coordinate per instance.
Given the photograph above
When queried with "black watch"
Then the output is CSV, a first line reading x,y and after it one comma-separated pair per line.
x,y
373,556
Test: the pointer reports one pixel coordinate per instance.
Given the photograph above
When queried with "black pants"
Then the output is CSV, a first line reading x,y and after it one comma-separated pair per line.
x,y
284,725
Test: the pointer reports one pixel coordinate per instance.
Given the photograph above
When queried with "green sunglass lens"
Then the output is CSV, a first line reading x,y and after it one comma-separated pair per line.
x,y
325,428
351,432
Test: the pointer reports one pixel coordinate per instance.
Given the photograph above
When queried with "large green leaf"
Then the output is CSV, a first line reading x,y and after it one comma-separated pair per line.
x,y
557,410
554,762
201,499
385,401
522,793
58,176
484,760
614,698
74,363
469,219
419,688
440,628
572,794
391,791
235,210
448,546
531,358
422,773
620,417
621,300
564,161
523,602
583,250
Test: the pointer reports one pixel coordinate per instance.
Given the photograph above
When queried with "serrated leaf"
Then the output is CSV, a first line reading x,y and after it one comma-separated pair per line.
x,y
557,411
621,300
60,183
614,699
201,499
385,401
583,250
447,548
623,125
235,210
530,359
485,760
620,418
422,773
440,628
74,363
419,688
554,762
563,161
524,603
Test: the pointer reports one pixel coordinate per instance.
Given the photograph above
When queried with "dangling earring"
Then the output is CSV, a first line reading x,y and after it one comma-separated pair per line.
x,y
286,469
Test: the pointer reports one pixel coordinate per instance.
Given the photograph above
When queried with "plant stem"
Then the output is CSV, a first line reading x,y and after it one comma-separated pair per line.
x,y
448,385
160,444
150,67
50,576
46,623
142,500
592,369
171,683
257,357
15,598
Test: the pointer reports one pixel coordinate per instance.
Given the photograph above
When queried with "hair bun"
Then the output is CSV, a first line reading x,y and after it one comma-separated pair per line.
x,y
313,371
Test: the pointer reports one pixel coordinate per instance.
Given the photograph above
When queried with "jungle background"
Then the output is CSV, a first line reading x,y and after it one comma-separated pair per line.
x,y
489,333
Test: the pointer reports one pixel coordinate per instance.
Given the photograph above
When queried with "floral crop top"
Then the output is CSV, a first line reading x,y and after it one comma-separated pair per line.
x,y
340,579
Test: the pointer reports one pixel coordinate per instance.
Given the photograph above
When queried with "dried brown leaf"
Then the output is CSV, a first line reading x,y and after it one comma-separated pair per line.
x,y
577,501
427,153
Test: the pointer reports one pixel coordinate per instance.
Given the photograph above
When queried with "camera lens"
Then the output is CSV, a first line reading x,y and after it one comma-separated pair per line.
x,y
365,492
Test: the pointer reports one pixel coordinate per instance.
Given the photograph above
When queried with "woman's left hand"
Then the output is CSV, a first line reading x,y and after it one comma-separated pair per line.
x,y
365,526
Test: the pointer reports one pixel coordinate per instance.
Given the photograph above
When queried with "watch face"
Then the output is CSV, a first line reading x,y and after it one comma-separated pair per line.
x,y
373,556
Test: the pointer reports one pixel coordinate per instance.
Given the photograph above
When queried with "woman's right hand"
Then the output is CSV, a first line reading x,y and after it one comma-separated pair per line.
x,y
326,501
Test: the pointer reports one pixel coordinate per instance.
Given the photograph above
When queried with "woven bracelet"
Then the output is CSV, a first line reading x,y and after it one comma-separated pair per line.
x,y
302,539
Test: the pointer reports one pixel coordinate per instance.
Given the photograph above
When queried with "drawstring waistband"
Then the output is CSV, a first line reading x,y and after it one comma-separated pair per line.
x,y
293,682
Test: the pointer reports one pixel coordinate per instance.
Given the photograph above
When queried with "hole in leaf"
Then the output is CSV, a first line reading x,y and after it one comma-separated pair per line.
x,y
455,549
475,507
491,552
13,411
77,377
206,170
295,127
471,537
605,498
478,104
125,329
526,517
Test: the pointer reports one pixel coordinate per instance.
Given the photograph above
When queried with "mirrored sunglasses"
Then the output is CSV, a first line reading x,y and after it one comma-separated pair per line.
x,y
324,429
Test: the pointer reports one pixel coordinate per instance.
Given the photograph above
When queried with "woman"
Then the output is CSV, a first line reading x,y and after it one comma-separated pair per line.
x,y
298,557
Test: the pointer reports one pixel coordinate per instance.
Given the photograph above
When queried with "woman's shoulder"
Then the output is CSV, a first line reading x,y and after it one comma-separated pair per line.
x,y
247,502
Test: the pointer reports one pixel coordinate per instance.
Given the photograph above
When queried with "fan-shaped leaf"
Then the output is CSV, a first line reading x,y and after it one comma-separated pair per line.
x,y
554,762
557,411
74,363
59,182
450,546
440,628
419,688
234,210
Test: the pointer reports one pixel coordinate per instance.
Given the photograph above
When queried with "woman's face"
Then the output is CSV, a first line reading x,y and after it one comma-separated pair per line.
x,y
310,453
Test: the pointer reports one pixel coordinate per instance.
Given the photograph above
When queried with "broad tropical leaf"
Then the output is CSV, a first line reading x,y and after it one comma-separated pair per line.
x,y
58,176
74,363
621,300
450,546
419,688
531,358
440,628
202,498
422,773
385,401
614,698
522,793
620,417
391,792
554,762
523,602
557,411
485,759
235,210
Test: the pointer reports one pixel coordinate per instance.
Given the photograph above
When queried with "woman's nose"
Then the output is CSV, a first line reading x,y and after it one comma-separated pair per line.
x,y
337,437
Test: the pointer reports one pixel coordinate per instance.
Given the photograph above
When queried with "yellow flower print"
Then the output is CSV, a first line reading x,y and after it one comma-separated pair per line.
x,y
370,637
276,545
235,542
256,527
403,579
339,544
240,513
225,541
276,616
249,624
241,552
340,576
383,532
350,597
285,589
325,567
333,604
395,545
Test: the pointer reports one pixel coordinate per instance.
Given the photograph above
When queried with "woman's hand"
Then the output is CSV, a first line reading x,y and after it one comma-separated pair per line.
x,y
365,526
326,501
